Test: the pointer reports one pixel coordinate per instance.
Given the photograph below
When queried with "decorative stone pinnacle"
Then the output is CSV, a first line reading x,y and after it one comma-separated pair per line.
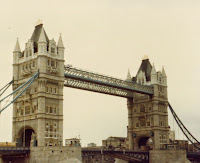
x,y
145,57
38,22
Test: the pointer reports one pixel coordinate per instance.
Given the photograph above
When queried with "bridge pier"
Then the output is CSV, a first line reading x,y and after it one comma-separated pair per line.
x,y
166,156
130,122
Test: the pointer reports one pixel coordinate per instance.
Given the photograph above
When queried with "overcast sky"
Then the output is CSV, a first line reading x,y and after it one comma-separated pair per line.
x,y
110,36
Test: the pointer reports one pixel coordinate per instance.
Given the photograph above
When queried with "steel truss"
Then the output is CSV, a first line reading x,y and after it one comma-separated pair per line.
x,y
81,79
127,155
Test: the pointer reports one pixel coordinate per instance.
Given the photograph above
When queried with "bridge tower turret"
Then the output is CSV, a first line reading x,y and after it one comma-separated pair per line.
x,y
148,116
16,55
40,109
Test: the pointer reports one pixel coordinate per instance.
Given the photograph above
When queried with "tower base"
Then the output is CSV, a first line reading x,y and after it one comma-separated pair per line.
x,y
167,156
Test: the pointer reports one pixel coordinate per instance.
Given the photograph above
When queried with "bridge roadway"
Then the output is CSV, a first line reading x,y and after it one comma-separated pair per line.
x,y
127,155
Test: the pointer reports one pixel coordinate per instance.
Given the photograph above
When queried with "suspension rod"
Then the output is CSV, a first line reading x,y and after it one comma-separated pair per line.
x,y
30,82
6,87
185,131
20,87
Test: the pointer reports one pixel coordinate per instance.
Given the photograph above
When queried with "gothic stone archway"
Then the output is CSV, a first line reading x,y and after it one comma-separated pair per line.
x,y
145,143
24,137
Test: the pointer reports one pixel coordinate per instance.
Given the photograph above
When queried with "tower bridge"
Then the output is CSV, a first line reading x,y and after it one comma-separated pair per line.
x,y
40,76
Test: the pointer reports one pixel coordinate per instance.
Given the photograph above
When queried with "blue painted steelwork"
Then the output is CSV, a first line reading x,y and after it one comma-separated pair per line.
x,y
124,154
82,79
28,83
185,131
6,87
110,84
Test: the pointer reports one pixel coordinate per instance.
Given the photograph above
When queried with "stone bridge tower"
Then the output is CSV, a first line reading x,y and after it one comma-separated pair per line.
x,y
148,116
40,109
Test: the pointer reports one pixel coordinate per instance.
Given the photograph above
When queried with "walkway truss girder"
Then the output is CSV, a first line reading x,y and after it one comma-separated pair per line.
x,y
85,80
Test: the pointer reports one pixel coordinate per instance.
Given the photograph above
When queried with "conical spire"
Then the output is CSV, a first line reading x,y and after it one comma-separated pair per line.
x,y
128,76
42,37
60,42
163,72
17,47
153,70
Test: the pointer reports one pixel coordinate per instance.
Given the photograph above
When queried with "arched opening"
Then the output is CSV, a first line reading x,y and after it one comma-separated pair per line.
x,y
145,143
25,137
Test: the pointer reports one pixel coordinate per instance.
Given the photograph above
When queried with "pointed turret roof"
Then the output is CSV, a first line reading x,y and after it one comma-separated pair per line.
x,y
60,42
128,76
146,68
163,72
36,34
153,70
42,37
17,47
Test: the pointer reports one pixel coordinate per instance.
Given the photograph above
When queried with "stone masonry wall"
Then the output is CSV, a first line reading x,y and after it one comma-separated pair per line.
x,y
168,156
55,154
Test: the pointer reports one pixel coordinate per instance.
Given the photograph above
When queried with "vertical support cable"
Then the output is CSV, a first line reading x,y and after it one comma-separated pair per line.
x,y
24,129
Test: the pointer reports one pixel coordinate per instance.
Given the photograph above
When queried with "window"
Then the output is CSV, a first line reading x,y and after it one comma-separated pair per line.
x,y
52,63
148,123
22,112
51,110
52,50
142,108
137,124
47,109
143,123
51,128
161,123
27,110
